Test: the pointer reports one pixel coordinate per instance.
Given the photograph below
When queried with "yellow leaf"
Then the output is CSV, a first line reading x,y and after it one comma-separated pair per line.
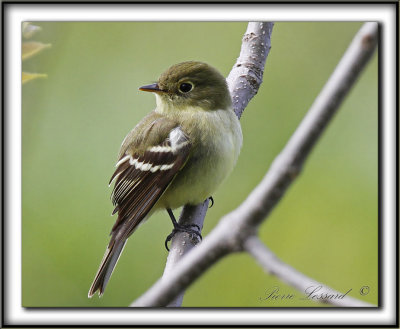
x,y
28,29
31,48
31,76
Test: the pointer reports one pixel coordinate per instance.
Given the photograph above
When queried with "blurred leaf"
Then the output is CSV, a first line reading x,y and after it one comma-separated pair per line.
x,y
28,30
32,48
31,76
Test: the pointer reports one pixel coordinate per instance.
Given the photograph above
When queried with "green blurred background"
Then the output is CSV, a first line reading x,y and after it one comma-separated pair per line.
x,y
73,123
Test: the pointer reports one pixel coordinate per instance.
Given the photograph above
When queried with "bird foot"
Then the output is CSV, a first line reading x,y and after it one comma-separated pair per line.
x,y
183,228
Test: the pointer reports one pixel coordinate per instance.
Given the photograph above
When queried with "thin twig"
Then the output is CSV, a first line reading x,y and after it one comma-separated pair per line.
x,y
234,229
312,289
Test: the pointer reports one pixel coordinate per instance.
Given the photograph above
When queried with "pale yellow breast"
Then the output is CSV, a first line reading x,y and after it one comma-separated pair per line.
x,y
217,138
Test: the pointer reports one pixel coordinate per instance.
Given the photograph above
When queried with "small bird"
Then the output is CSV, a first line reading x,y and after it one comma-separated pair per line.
x,y
178,154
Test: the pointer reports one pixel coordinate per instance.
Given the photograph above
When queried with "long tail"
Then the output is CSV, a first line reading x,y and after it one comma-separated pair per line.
x,y
106,268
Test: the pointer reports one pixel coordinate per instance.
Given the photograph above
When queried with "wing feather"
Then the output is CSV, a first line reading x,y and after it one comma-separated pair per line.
x,y
141,179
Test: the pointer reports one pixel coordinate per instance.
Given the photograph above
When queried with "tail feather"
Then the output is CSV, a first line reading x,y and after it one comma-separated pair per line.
x,y
106,268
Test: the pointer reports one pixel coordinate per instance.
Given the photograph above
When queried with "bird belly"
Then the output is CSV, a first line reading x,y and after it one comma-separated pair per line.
x,y
211,162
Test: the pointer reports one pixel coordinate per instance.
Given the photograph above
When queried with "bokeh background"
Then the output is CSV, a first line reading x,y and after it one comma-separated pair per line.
x,y
73,123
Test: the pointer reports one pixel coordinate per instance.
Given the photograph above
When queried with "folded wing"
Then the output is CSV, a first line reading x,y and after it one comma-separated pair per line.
x,y
140,180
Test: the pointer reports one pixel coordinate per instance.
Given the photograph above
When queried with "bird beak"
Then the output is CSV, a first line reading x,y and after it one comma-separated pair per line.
x,y
153,88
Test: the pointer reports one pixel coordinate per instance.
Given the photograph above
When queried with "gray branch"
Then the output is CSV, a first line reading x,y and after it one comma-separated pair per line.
x,y
246,75
311,288
243,81
233,230
183,242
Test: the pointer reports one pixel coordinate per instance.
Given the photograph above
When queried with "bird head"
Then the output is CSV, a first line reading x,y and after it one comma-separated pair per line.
x,y
191,84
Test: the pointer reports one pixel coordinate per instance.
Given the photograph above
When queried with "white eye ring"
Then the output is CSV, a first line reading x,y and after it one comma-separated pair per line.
x,y
185,87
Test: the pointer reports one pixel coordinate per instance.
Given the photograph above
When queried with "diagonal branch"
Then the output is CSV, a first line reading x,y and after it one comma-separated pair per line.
x,y
288,164
233,230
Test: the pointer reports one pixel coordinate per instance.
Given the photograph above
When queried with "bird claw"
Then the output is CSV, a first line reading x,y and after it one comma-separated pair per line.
x,y
212,201
183,228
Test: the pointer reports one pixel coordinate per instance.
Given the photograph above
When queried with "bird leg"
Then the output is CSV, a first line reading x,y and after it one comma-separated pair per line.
x,y
180,228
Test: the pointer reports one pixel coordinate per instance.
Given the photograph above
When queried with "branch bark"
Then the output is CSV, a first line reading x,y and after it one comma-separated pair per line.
x,y
246,75
183,242
243,82
233,230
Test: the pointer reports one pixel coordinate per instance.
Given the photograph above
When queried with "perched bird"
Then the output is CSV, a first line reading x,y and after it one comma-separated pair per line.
x,y
178,154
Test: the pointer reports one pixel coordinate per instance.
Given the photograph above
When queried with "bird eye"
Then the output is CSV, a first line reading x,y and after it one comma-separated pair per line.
x,y
185,87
